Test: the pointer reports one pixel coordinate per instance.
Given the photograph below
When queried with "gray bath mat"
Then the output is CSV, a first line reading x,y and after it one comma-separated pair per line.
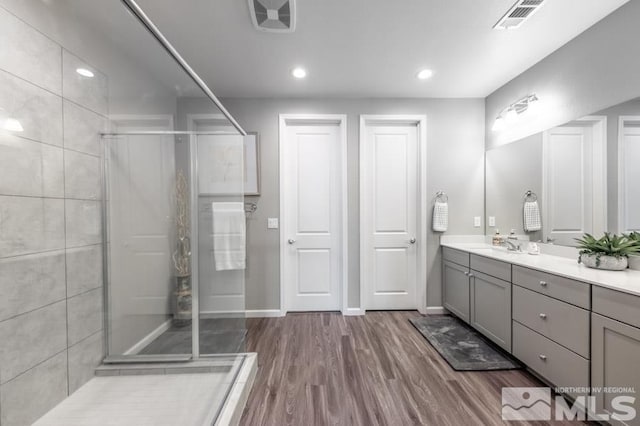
x,y
461,346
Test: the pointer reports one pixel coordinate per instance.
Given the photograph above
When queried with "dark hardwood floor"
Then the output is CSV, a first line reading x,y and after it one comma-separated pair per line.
x,y
326,369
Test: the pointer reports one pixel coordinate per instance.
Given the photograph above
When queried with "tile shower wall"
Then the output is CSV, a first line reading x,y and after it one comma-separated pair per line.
x,y
51,310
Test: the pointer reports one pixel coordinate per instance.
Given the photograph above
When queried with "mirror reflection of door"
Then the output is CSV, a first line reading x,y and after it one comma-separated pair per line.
x,y
629,174
574,180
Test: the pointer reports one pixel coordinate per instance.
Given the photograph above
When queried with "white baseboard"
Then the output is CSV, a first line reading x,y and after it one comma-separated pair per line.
x,y
353,312
146,340
435,310
263,313
250,313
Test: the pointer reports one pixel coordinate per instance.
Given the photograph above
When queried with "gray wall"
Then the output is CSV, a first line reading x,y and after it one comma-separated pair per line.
x,y
455,129
597,69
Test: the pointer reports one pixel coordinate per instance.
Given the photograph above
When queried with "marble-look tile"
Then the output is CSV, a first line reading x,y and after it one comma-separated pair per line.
x,y
81,176
30,282
90,92
30,225
31,395
82,129
85,315
30,168
84,269
38,111
83,223
31,338
29,54
84,358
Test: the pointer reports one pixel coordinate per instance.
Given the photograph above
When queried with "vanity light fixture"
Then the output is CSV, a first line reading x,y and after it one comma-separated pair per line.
x,y
424,74
85,72
299,72
511,113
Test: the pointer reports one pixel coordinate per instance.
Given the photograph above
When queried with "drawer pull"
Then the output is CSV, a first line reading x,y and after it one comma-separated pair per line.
x,y
466,273
543,283
543,316
471,275
543,357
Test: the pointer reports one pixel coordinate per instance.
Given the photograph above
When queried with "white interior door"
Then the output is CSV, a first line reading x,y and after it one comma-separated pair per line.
x,y
312,212
629,174
574,189
141,217
389,213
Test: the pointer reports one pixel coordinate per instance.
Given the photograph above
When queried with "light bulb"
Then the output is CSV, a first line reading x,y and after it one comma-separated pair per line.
x,y
85,72
12,125
299,72
498,124
511,114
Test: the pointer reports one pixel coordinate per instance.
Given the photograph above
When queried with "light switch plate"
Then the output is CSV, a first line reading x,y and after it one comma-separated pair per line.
x,y
477,221
272,223
492,221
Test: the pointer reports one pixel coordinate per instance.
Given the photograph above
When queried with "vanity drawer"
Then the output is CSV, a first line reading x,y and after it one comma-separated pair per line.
x,y
557,364
617,305
561,322
570,291
492,267
455,256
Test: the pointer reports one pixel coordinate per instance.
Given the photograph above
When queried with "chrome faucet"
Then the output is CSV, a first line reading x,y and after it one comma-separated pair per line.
x,y
511,246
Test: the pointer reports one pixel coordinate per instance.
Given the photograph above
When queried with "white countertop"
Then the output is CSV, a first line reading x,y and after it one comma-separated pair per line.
x,y
627,281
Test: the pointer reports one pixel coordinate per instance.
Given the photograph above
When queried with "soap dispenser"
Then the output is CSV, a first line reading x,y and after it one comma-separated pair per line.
x,y
497,238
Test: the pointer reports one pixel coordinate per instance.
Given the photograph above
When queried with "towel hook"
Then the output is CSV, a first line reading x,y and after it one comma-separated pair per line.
x,y
530,196
442,196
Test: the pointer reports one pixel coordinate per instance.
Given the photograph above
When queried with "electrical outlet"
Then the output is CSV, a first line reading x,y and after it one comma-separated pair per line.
x,y
492,221
272,223
477,221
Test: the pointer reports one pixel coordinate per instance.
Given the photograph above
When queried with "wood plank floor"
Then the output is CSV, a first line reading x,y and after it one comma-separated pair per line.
x,y
326,369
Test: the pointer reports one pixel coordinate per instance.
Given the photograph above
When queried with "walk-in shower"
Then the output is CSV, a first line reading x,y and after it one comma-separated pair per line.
x,y
123,206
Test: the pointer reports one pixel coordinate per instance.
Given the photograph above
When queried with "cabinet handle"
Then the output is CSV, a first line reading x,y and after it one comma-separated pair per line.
x,y
466,273
543,357
543,316
471,275
543,283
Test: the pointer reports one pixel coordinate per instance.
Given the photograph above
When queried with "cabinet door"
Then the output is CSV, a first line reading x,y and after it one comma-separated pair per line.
x,y
455,288
491,308
615,351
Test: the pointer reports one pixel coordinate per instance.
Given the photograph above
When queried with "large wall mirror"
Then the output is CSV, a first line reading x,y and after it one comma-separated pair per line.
x,y
582,176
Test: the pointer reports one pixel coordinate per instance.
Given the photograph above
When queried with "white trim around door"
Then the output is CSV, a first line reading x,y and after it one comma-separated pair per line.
x,y
420,121
285,121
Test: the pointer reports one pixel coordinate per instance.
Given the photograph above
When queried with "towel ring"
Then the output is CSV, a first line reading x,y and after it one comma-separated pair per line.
x,y
442,196
530,196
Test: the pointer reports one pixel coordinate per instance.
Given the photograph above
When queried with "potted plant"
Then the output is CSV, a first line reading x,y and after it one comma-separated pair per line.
x,y
182,254
634,258
611,252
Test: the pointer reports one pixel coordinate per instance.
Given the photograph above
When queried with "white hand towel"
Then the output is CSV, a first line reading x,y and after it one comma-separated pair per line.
x,y
440,216
229,236
532,220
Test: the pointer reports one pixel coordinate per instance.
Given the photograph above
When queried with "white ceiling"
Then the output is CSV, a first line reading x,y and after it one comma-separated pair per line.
x,y
369,48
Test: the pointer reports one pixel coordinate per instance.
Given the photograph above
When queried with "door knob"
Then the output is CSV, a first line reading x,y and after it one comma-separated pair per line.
x,y
291,241
543,316
543,357
412,241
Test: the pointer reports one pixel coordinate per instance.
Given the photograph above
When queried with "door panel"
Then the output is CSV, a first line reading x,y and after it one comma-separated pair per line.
x,y
389,214
631,177
455,289
312,260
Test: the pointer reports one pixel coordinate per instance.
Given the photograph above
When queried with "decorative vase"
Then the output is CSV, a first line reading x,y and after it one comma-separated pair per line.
x,y
609,263
183,312
634,262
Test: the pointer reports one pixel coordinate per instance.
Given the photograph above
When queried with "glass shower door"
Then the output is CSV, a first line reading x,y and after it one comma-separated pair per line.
x,y
221,242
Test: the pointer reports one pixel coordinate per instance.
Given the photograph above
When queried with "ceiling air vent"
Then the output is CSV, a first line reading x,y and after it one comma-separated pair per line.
x,y
519,12
276,16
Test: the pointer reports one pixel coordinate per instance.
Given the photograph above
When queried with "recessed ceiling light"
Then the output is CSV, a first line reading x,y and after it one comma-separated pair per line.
x,y
425,74
85,72
299,72
12,125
